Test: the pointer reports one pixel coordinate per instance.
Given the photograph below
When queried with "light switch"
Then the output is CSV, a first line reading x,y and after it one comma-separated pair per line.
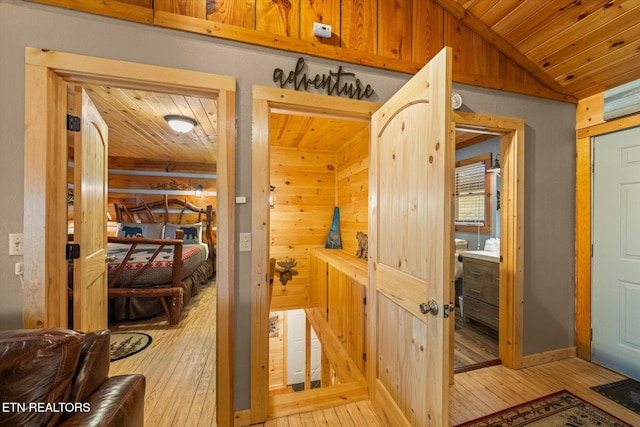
x,y
16,244
245,242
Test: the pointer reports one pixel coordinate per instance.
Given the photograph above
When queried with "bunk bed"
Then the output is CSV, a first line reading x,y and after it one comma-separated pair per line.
x,y
159,258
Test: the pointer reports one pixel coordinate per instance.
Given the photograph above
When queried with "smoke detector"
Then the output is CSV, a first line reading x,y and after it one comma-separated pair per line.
x,y
456,100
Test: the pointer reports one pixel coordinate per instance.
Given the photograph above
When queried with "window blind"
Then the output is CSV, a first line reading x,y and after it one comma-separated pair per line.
x,y
470,194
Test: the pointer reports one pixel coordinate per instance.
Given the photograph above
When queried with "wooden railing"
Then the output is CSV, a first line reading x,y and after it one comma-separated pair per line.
x,y
337,288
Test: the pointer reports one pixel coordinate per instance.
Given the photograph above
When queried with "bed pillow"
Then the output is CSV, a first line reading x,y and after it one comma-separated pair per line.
x,y
192,232
148,230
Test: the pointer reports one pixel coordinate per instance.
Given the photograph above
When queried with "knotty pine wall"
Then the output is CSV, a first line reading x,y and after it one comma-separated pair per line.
x,y
305,182
309,184
399,35
133,182
353,189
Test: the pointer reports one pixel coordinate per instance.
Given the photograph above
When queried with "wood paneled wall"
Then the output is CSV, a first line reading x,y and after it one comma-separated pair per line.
x,y
136,181
400,35
353,189
278,351
309,184
337,283
149,180
305,182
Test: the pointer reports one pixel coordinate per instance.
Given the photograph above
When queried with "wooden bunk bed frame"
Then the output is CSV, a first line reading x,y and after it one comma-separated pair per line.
x,y
171,297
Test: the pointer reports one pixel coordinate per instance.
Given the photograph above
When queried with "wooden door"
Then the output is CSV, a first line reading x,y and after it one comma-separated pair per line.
x,y
90,217
615,295
410,247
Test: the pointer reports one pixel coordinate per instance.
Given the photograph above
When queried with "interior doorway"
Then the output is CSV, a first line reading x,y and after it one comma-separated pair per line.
x,y
615,291
270,107
477,249
511,134
45,228
316,164
511,218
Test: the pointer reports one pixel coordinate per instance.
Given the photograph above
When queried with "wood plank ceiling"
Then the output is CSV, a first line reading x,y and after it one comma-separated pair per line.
x,y
583,46
138,130
586,46
137,127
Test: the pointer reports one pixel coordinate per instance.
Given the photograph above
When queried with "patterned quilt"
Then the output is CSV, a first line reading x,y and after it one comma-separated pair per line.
x,y
161,269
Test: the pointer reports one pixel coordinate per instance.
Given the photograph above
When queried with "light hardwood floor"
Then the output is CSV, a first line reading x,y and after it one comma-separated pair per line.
x,y
180,369
473,344
179,365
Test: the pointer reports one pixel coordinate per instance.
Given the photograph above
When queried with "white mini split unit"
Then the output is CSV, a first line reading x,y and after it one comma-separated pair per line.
x,y
322,30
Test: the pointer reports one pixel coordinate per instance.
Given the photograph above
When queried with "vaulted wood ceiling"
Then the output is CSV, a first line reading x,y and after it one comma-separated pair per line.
x,y
585,46
576,47
559,49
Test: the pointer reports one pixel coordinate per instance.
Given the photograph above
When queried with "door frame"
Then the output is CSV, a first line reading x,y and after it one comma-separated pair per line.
x,y
584,200
511,132
45,186
267,100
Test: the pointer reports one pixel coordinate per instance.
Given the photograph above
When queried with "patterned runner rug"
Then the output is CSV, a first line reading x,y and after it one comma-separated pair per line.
x,y
558,409
125,344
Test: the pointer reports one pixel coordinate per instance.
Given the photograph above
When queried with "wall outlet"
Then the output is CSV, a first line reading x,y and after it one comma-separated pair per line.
x,y
322,30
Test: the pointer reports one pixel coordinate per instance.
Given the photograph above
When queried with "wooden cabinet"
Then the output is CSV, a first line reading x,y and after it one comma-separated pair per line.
x,y
481,290
337,288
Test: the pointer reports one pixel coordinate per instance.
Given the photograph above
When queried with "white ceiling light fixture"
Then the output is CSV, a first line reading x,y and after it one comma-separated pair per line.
x,y
180,124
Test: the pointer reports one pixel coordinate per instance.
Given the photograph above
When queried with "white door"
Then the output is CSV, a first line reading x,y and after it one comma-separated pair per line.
x,y
410,242
296,342
615,292
90,309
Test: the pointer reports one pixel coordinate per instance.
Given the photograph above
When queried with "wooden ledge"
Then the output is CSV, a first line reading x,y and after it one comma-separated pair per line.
x,y
349,264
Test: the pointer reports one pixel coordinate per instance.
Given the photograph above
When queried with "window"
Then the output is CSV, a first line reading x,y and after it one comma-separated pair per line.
x,y
473,187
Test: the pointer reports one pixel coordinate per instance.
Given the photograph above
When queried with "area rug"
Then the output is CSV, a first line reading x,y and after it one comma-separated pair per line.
x,y
125,344
625,393
558,409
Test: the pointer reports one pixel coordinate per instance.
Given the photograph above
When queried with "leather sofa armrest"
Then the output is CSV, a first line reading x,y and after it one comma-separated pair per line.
x,y
93,366
118,402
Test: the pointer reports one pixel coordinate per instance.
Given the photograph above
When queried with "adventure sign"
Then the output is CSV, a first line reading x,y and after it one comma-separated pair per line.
x,y
337,82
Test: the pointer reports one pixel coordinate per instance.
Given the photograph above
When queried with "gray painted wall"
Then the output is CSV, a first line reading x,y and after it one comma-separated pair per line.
x,y
550,153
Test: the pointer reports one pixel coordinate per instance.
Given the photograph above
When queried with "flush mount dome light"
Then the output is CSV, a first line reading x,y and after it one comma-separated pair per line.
x,y
180,124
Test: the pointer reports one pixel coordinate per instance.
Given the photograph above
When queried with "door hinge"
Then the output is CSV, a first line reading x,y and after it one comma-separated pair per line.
x,y
364,356
364,301
592,250
73,251
591,334
73,123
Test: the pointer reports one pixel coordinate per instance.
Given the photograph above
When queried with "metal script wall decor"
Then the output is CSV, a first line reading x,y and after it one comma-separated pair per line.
x,y
333,83
171,185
